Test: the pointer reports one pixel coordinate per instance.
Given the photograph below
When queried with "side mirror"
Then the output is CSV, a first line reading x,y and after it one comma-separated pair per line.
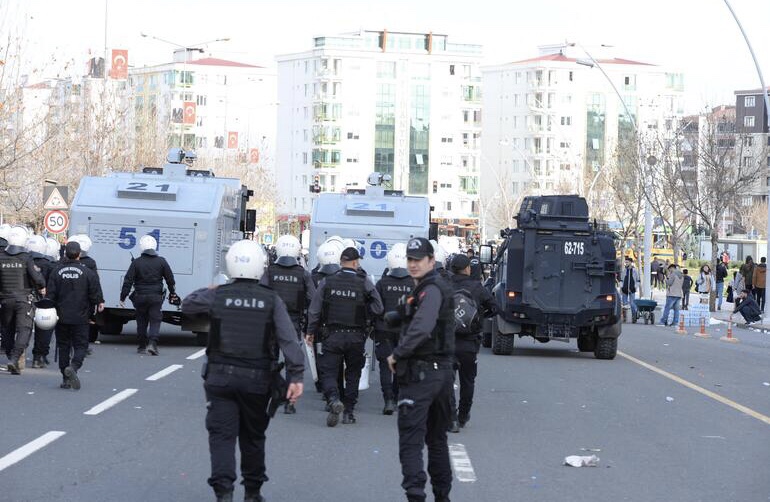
x,y
485,254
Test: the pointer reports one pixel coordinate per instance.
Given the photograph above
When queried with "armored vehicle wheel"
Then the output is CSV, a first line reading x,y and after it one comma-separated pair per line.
x,y
502,345
606,348
111,328
201,338
586,343
486,340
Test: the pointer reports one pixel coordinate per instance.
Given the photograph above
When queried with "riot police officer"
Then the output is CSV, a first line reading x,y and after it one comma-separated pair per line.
x,y
392,287
74,290
328,256
146,274
248,323
338,317
423,365
468,338
37,248
18,278
293,284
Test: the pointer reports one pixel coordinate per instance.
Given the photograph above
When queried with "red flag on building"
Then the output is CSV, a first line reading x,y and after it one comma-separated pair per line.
x,y
189,112
254,156
232,139
119,64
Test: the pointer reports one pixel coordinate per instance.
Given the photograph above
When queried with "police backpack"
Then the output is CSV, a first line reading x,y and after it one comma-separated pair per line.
x,y
466,313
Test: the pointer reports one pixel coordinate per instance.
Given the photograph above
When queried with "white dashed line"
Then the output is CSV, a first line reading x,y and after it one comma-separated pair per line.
x,y
461,464
164,372
29,448
198,354
109,403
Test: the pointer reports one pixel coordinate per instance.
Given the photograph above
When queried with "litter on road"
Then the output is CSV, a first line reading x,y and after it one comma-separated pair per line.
x,y
669,399
581,461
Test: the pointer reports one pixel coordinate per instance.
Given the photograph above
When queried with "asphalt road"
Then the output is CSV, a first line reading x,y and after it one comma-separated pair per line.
x,y
657,438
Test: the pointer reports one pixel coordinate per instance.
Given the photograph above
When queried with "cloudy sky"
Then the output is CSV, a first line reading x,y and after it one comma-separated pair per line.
x,y
697,37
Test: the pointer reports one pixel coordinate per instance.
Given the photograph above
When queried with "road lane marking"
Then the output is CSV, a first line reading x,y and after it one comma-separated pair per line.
x,y
198,354
28,449
713,395
164,372
461,463
109,403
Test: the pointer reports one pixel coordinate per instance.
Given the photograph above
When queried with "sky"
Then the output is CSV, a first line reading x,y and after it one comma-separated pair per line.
x,y
697,37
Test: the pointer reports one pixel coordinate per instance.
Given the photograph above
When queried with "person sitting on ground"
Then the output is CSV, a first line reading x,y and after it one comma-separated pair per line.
x,y
747,306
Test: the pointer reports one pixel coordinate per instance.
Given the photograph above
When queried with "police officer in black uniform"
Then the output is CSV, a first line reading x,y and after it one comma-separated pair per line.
x,y
249,322
74,289
423,363
392,287
293,284
468,339
18,278
85,247
338,316
146,274
37,246
328,256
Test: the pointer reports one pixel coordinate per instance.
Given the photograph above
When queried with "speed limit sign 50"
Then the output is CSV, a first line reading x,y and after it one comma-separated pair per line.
x,y
56,221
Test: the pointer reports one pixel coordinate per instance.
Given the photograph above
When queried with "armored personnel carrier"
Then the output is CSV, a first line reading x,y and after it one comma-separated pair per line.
x,y
555,279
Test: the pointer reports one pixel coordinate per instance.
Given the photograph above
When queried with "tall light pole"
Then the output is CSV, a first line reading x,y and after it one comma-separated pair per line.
x,y
766,94
646,286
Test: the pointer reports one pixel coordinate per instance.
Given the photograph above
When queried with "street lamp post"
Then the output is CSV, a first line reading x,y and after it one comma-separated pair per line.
x,y
646,283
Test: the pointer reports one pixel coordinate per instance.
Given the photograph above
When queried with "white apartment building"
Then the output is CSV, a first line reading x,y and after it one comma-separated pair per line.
x,y
222,109
553,122
404,104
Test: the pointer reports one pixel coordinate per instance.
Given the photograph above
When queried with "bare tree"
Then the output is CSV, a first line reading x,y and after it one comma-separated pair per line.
x,y
726,170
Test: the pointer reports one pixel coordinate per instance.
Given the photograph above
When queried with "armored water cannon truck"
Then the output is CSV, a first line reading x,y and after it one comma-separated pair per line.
x,y
375,218
555,278
193,216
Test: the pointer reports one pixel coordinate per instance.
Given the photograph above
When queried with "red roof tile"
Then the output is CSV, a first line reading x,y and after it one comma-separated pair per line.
x,y
562,58
221,62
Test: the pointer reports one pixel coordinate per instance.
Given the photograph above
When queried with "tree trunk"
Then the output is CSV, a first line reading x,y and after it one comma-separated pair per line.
x,y
714,258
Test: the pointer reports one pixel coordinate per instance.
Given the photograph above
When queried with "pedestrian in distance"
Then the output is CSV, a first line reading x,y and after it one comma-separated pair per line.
x,y
392,287
686,287
293,284
720,276
338,317
423,362
469,295
146,275
759,280
242,376
747,272
674,282
629,285
19,278
747,307
705,283
74,290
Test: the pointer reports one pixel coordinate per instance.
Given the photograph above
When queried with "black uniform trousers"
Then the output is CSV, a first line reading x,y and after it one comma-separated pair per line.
x,y
42,342
237,400
384,343
466,358
148,315
342,346
423,419
17,319
71,338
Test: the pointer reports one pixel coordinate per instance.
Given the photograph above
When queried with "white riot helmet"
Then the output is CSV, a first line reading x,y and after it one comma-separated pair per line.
x,y
52,248
46,318
287,245
148,244
337,241
84,241
37,244
438,253
397,256
17,236
5,228
328,254
245,260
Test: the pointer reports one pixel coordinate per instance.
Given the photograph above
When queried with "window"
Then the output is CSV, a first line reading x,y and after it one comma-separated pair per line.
x,y
746,161
386,69
304,157
451,69
565,121
749,101
446,140
748,121
353,135
570,76
748,141
448,205
201,100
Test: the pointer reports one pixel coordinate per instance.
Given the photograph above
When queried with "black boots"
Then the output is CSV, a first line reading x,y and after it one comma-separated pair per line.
x,y
225,497
38,362
289,409
335,408
71,377
153,348
390,407
348,418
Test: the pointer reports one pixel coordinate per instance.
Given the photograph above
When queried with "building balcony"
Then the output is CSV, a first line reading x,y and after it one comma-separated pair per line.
x,y
324,140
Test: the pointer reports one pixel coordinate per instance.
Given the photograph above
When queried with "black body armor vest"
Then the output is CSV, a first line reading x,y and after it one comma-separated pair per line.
x,y
392,289
13,274
442,340
289,283
345,301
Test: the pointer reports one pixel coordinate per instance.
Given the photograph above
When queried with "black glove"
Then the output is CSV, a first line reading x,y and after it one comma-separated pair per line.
x,y
174,299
